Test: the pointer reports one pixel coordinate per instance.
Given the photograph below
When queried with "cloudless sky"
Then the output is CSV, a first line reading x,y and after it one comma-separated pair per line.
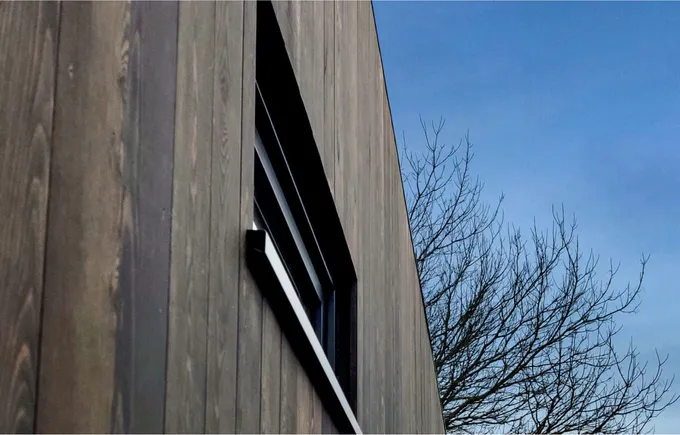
x,y
567,103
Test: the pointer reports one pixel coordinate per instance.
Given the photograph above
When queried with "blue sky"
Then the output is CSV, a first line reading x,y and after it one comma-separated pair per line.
x,y
566,103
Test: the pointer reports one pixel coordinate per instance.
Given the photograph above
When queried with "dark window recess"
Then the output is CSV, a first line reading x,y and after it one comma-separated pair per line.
x,y
297,252
280,212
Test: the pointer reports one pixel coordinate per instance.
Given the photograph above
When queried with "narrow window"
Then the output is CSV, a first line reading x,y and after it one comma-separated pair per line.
x,y
297,252
283,217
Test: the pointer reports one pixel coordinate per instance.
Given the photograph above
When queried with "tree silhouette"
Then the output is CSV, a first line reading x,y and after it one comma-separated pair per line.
x,y
522,330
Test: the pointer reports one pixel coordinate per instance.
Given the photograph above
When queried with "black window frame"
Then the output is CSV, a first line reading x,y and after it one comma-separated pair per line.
x,y
297,251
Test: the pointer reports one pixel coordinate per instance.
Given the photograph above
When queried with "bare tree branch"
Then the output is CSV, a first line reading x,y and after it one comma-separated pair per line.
x,y
522,329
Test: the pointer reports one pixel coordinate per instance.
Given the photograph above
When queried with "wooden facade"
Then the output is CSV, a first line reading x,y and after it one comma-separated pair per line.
x,y
126,186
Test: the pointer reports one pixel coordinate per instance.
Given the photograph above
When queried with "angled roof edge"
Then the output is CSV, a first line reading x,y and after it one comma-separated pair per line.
x,y
403,192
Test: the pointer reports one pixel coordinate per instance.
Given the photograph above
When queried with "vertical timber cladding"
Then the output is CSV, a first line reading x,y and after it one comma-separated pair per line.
x,y
396,380
153,124
248,385
28,43
303,26
185,409
215,312
230,369
102,364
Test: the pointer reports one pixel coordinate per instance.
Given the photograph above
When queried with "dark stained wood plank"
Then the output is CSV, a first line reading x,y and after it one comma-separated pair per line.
x,y
395,363
379,253
399,242
107,264
408,328
408,294
249,357
225,221
270,418
381,291
327,425
346,187
346,118
248,384
305,391
409,345
427,386
419,369
148,133
397,401
408,348
288,391
415,343
28,43
327,145
187,333
423,344
317,413
370,349
404,309
88,207
435,416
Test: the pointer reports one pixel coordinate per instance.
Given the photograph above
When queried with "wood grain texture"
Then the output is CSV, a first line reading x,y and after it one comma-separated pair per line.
x,y
418,410
327,425
368,287
28,43
397,386
327,144
82,303
270,408
108,243
148,135
188,311
316,423
309,407
396,314
380,256
403,310
391,271
248,386
132,219
305,392
346,183
225,218
289,400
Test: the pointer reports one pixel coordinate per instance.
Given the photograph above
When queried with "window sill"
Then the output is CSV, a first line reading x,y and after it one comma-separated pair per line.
x,y
272,279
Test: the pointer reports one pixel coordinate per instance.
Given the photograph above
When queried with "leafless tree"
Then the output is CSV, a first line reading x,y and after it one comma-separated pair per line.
x,y
522,330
